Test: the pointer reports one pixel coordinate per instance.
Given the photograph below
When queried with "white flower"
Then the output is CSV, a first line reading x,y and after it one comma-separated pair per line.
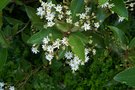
x,y
94,51
60,16
44,47
96,25
111,5
11,88
50,24
46,40
56,44
77,60
86,26
40,11
86,51
87,9
76,24
69,20
73,65
49,57
64,41
1,84
86,59
68,55
68,12
50,16
43,4
34,50
82,16
131,4
121,19
105,4
50,49
58,8
50,4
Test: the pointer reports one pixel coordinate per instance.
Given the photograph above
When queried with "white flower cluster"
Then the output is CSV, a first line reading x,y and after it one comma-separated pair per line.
x,y
75,62
52,13
107,5
2,84
130,5
48,46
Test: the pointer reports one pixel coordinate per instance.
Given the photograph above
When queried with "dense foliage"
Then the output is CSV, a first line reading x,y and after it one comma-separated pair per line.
x,y
67,44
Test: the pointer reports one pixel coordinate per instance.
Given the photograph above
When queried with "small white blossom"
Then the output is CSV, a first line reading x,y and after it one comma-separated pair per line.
x,y
50,16
74,67
34,50
76,24
50,49
1,84
40,12
68,12
50,24
69,20
94,51
74,63
105,4
86,59
44,47
46,40
68,55
86,51
56,44
121,19
50,4
131,4
96,25
11,88
64,41
60,16
49,57
82,16
43,4
86,26
111,5
58,8
87,9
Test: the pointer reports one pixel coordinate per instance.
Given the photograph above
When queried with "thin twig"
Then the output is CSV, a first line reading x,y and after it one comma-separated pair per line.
x,y
23,28
28,77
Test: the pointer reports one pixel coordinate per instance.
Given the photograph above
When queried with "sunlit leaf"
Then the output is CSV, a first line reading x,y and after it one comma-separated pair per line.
x,y
3,4
77,46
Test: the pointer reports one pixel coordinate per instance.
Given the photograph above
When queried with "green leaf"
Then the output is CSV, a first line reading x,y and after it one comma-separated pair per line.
x,y
82,37
119,34
127,76
3,56
64,27
120,8
101,2
3,4
76,6
61,53
77,46
102,14
3,40
31,12
37,38
13,21
132,43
